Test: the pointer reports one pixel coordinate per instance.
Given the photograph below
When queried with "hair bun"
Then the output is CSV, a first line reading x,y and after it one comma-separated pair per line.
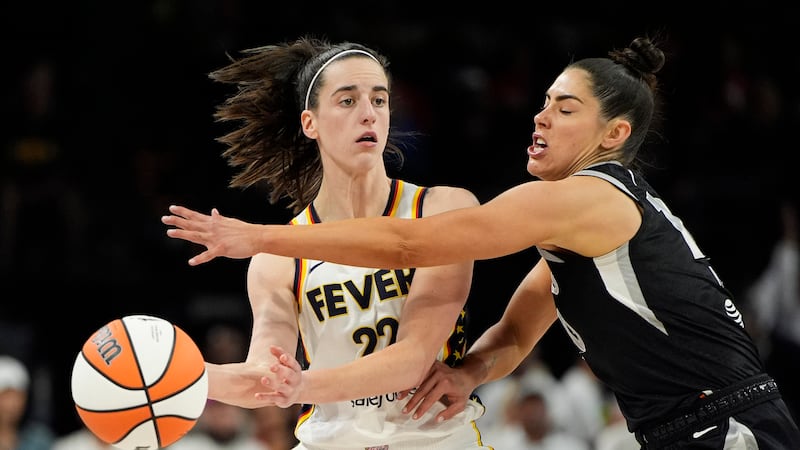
x,y
642,56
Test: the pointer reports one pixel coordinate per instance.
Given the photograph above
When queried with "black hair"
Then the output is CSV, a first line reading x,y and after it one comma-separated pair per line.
x,y
626,86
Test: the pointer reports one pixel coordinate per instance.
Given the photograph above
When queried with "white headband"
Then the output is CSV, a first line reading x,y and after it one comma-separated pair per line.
x,y
342,53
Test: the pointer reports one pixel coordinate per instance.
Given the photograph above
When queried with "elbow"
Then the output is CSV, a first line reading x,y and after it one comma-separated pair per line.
x,y
413,246
411,253
406,257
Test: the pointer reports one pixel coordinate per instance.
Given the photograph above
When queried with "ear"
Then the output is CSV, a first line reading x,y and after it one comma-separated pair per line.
x,y
617,132
308,124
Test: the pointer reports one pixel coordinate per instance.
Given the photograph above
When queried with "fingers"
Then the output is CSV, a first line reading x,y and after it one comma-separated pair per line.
x,y
285,358
274,398
178,233
204,257
425,403
404,393
287,377
423,391
285,380
183,211
190,226
276,351
422,399
188,219
451,411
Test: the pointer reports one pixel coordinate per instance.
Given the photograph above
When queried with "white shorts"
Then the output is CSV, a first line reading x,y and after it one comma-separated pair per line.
x,y
465,437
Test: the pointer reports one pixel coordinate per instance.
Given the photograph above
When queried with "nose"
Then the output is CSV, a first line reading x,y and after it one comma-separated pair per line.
x,y
368,112
539,119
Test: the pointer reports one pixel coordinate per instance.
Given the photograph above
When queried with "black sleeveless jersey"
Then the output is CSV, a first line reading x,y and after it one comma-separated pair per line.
x,y
651,318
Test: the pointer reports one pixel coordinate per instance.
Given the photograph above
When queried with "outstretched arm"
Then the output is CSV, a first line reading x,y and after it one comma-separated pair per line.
x,y
497,352
481,232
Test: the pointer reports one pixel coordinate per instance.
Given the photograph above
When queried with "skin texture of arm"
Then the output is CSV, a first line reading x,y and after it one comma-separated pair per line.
x,y
272,301
583,214
497,352
436,298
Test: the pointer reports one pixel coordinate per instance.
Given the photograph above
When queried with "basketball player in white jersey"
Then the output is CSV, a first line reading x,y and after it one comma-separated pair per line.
x,y
314,125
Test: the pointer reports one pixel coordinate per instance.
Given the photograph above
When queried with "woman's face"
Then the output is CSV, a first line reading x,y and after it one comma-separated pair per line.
x,y
351,122
568,130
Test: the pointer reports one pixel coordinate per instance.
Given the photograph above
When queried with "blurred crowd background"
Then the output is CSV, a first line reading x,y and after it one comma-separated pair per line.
x,y
106,113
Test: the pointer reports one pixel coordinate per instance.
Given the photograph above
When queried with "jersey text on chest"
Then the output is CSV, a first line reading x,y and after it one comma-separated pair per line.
x,y
331,299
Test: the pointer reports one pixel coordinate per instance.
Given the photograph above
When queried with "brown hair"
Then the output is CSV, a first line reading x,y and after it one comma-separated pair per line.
x,y
269,145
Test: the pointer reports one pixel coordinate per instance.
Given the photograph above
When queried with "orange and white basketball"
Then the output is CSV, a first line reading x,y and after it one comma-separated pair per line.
x,y
139,382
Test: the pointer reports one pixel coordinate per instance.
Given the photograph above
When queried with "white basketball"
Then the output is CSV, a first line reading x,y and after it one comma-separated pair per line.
x,y
139,382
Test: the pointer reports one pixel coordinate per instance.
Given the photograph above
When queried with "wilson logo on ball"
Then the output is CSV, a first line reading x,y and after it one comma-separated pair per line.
x,y
107,347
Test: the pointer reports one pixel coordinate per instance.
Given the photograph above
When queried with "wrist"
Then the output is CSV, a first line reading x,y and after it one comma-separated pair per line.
x,y
475,369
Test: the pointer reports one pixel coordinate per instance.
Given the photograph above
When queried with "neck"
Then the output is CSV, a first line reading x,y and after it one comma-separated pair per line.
x,y
354,198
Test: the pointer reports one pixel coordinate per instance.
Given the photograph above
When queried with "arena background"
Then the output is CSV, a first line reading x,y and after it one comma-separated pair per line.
x,y
106,120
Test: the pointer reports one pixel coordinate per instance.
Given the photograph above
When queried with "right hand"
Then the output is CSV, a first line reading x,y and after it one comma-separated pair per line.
x,y
222,236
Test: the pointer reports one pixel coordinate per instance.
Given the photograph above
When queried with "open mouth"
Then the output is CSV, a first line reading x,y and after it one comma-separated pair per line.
x,y
369,137
537,147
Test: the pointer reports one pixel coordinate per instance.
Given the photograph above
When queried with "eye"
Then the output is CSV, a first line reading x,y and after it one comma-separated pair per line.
x,y
347,101
545,103
380,101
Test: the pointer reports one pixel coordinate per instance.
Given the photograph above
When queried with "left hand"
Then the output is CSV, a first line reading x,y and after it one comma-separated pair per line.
x,y
286,381
221,235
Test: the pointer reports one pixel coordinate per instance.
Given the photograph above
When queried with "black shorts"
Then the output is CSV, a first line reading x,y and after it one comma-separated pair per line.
x,y
765,426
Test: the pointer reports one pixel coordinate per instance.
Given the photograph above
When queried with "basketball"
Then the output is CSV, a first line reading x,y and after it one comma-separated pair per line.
x,y
139,382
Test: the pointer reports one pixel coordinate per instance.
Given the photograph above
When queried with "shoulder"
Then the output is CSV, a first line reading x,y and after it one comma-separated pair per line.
x,y
271,270
445,198
573,192
268,260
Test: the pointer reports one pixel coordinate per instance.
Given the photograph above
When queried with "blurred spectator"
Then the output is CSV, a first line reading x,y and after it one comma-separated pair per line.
x,y
227,427
221,427
615,435
582,402
274,426
225,343
38,192
17,430
532,427
80,439
500,396
773,303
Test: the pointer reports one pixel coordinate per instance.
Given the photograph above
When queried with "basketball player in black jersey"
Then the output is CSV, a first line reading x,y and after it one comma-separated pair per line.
x,y
619,271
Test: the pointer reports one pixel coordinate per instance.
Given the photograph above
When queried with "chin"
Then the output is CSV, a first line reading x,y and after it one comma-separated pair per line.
x,y
532,166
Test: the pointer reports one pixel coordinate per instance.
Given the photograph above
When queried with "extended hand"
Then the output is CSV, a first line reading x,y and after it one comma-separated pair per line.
x,y
286,381
222,236
443,384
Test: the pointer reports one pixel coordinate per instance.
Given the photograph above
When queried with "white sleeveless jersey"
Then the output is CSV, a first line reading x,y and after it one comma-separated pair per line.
x,y
347,312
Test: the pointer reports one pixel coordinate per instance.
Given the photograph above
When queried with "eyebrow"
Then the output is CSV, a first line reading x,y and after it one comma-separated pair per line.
x,y
563,97
352,87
